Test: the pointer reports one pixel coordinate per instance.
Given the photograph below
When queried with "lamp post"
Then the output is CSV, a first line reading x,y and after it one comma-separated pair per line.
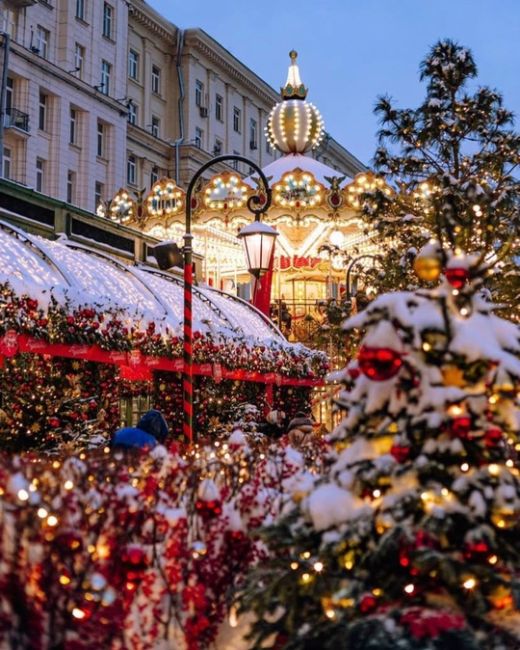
x,y
258,241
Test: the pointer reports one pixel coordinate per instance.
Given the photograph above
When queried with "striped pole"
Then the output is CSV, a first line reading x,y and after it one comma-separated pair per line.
x,y
191,203
187,375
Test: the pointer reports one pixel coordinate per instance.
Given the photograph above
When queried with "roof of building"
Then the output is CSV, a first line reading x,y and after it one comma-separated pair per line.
x,y
77,276
288,163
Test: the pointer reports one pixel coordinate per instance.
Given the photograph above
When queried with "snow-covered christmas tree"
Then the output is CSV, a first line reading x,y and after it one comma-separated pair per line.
x,y
410,539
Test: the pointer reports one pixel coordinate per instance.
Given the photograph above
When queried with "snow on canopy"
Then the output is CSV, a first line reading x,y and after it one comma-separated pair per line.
x,y
276,169
80,276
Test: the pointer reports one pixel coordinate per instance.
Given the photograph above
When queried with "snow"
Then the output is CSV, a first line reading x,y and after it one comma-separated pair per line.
x,y
290,162
329,505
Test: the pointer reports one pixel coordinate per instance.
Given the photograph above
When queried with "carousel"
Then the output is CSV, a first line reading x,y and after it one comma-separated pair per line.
x,y
314,208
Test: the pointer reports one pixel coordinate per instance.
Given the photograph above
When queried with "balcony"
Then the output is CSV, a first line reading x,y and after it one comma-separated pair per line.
x,y
15,119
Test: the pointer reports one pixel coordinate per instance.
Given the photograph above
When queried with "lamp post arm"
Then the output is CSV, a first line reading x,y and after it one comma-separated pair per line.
x,y
353,264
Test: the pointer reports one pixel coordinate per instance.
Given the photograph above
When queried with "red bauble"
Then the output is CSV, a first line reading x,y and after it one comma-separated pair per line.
x,y
460,427
54,423
400,452
379,364
493,437
457,277
367,603
478,551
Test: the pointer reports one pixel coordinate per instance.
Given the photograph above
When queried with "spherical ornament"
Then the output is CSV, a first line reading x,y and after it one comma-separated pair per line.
x,y
295,126
367,603
476,551
400,452
198,549
457,276
504,517
493,437
427,268
460,427
379,364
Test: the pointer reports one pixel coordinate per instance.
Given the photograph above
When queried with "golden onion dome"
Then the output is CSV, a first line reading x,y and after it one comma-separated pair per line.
x,y
294,125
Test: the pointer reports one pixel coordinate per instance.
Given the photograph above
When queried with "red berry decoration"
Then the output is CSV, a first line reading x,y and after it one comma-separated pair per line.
x,y
400,452
208,509
134,563
457,277
460,426
379,364
367,603
493,437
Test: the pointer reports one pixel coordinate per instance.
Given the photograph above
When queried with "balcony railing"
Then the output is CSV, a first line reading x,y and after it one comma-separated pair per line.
x,y
15,119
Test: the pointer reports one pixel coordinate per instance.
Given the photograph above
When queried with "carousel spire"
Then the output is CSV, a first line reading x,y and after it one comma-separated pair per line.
x,y
294,88
294,125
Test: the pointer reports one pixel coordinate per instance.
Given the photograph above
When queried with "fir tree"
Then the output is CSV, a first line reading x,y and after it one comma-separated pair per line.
x,y
409,540
452,163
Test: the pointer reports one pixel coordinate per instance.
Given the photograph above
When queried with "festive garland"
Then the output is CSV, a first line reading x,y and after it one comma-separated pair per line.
x,y
106,332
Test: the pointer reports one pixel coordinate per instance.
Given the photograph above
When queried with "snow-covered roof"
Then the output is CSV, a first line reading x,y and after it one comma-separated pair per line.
x,y
79,276
290,162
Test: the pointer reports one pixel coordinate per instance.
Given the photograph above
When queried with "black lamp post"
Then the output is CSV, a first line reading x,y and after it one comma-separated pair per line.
x,y
352,265
258,241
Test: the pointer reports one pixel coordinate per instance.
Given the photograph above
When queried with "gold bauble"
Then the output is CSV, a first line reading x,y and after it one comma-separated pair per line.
x,y
383,445
427,268
453,376
501,598
298,496
504,517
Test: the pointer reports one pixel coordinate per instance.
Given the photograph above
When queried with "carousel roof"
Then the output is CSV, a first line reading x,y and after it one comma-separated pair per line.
x,y
75,275
292,161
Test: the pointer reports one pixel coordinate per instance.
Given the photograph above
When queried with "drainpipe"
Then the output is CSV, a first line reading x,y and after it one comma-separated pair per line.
x,y
180,79
4,58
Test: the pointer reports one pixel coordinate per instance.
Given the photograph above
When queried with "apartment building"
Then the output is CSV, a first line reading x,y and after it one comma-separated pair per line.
x,y
99,95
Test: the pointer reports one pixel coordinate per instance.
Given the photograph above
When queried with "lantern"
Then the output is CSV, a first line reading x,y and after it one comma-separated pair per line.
x,y
258,241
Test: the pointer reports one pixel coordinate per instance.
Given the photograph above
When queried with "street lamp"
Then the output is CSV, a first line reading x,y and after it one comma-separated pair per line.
x,y
258,242
376,258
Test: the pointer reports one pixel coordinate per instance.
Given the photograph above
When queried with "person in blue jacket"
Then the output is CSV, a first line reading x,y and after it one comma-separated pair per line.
x,y
151,430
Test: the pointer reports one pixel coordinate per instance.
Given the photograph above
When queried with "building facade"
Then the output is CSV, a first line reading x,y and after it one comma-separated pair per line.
x,y
102,95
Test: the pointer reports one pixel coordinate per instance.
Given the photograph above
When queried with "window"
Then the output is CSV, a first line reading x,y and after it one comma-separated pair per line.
x,y
80,9
236,119
154,175
73,130
79,59
217,149
42,42
133,64
156,80
234,163
219,108
40,174
253,144
132,113
108,13
6,163
199,136
267,146
155,126
42,112
199,93
71,186
100,139
99,190
131,170
106,69
9,89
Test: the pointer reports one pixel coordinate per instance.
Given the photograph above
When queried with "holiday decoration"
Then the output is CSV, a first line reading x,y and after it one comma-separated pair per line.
x,y
456,276
379,364
427,263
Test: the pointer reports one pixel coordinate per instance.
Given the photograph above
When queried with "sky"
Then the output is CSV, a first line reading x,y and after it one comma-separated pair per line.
x,y
350,52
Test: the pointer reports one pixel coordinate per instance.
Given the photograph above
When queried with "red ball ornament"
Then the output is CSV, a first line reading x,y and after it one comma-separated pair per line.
x,y
379,364
400,452
54,423
457,277
493,437
460,427
476,551
367,603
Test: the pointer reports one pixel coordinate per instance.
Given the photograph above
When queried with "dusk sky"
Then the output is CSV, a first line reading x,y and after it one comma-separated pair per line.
x,y
351,52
